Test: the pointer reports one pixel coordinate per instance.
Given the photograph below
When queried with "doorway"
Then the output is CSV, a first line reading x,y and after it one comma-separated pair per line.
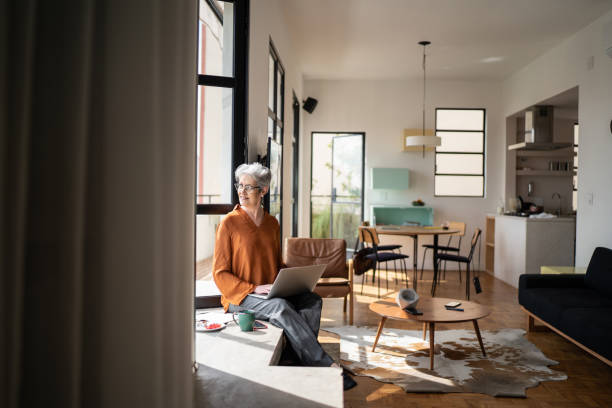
x,y
337,178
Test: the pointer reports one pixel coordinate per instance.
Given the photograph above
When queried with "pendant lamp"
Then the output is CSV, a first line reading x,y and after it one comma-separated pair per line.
x,y
423,139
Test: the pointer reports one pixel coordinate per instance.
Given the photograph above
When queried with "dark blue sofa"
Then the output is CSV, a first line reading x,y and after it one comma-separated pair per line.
x,y
579,307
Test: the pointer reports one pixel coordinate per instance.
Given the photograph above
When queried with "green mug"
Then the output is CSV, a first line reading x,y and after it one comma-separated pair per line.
x,y
246,319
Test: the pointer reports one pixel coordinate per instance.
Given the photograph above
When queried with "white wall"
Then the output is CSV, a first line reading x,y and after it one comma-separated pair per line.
x,y
561,68
267,21
382,109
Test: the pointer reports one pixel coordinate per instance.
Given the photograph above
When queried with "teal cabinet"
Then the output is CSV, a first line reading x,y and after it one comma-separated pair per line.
x,y
422,216
390,178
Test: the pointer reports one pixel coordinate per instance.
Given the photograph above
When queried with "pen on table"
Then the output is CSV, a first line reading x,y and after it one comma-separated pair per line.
x,y
455,308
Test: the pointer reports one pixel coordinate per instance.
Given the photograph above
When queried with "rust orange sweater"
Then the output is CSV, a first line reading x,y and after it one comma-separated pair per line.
x,y
245,255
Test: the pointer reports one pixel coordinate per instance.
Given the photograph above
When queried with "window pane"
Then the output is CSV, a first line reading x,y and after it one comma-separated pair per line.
x,y
271,83
459,119
206,226
459,164
321,164
459,186
270,129
576,134
275,182
279,135
346,221
320,217
574,200
215,40
346,184
279,96
461,141
214,145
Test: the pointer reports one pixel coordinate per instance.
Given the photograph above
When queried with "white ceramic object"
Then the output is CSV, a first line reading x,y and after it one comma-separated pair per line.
x,y
407,298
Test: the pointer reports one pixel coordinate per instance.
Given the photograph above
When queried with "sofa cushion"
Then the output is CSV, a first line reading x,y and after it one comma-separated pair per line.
x,y
550,303
591,327
599,272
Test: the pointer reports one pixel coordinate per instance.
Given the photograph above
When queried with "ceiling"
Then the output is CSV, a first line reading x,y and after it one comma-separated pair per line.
x,y
471,39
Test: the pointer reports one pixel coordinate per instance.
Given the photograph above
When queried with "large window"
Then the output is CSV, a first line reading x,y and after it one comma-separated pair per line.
x,y
221,125
276,103
459,168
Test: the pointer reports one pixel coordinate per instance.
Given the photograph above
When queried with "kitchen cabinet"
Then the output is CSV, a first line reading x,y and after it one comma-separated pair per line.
x,y
414,215
523,244
390,178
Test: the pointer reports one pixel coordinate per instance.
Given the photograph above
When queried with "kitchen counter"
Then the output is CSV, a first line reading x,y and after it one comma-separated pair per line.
x,y
556,219
524,244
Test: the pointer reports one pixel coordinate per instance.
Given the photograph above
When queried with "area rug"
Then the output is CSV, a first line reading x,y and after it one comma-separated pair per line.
x,y
512,365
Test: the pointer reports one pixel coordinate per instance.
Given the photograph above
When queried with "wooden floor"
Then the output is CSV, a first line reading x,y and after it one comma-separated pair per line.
x,y
589,383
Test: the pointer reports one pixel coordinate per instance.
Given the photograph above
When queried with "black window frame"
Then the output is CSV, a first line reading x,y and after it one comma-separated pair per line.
x,y
239,83
484,149
278,120
575,149
296,169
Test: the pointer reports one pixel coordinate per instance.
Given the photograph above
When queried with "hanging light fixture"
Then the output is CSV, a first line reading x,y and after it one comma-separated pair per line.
x,y
423,139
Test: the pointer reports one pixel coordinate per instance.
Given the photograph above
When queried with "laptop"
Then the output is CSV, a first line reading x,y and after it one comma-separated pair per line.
x,y
294,281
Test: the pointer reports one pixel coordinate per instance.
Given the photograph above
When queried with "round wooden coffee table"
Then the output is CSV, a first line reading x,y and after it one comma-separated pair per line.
x,y
433,312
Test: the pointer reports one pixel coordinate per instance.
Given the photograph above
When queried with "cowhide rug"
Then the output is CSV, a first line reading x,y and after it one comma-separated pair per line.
x,y
512,365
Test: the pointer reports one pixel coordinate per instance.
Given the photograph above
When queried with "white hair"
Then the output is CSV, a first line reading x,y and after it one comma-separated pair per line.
x,y
260,173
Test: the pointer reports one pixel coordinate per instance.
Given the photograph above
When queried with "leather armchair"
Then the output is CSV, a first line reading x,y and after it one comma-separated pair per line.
x,y
337,279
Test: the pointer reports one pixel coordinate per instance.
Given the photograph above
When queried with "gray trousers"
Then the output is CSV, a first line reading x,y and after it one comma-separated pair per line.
x,y
299,316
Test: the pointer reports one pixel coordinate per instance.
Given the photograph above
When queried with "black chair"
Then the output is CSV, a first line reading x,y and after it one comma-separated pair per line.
x,y
368,235
389,247
448,247
462,259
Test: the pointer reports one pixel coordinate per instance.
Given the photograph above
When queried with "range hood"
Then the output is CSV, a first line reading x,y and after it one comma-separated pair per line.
x,y
539,131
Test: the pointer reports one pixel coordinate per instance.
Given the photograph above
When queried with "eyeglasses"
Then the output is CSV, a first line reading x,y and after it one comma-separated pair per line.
x,y
246,187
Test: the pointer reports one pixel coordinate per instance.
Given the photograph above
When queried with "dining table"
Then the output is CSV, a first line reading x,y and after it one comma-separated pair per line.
x,y
414,232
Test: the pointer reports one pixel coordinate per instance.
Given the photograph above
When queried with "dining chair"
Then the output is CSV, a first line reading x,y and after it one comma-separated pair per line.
x,y
368,235
463,259
337,278
386,247
448,247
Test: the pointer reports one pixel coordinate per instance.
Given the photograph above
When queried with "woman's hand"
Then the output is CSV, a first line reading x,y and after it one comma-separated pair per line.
x,y
263,289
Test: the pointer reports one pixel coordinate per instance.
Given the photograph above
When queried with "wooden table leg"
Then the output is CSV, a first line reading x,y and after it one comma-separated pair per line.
x,y
424,330
380,327
484,353
432,329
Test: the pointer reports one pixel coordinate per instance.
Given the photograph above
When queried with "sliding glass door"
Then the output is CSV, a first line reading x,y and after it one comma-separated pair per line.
x,y
337,176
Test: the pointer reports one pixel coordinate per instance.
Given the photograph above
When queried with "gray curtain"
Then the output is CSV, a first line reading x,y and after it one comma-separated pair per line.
x,y
97,169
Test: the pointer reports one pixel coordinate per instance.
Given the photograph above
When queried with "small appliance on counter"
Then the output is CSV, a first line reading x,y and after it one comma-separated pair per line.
x,y
529,208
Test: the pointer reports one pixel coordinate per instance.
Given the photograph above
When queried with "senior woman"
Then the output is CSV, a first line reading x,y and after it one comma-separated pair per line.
x,y
246,261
